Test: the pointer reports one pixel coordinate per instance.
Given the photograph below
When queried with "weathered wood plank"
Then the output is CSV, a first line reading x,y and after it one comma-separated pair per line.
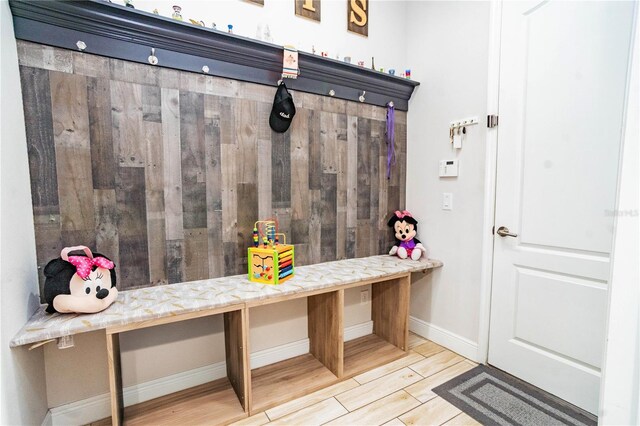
x,y
169,79
377,144
36,97
106,218
132,227
73,155
281,170
91,65
192,82
175,261
48,243
69,110
228,121
156,235
265,191
315,151
100,127
133,72
45,57
172,165
300,207
364,169
216,249
229,195
329,206
352,172
213,185
247,208
264,110
351,243
341,192
401,136
126,118
151,104
247,140
196,259
222,87
194,195
329,142
363,237
315,226
230,258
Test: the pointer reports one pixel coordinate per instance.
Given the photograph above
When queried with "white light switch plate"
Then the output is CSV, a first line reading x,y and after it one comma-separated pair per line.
x,y
447,201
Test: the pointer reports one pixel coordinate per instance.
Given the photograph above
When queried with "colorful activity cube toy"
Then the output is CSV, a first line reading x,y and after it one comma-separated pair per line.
x,y
270,262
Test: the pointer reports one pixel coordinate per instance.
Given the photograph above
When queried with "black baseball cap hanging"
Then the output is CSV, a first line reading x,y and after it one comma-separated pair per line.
x,y
282,111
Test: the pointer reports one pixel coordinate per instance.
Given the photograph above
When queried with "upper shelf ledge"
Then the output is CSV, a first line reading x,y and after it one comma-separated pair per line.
x,y
124,33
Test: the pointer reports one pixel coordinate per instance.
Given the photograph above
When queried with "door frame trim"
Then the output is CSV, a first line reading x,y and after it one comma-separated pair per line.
x,y
491,157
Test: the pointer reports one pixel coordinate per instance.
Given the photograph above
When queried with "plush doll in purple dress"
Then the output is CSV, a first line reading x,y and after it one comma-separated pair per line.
x,y
405,228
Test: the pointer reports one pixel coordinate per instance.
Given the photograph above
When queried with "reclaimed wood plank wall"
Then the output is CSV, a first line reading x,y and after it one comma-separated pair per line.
x,y
166,171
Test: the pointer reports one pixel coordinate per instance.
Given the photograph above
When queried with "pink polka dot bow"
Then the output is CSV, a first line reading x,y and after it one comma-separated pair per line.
x,y
85,264
403,213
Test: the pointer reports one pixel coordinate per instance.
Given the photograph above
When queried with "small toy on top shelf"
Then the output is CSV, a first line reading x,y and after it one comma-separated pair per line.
x,y
270,262
405,228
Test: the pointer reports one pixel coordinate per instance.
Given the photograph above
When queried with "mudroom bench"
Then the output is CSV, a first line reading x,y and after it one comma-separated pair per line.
x,y
244,391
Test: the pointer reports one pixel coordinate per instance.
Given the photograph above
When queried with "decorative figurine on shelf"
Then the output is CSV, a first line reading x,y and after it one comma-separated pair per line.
x,y
176,13
230,28
156,12
407,74
198,23
361,63
270,262
129,3
324,54
313,49
405,228
266,35
347,59
373,63
392,72
214,26
83,284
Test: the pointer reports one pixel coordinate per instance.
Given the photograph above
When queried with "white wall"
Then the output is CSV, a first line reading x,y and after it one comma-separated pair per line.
x,y
386,26
448,45
22,372
620,391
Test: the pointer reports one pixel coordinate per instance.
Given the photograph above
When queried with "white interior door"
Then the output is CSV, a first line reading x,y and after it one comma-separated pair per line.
x,y
563,77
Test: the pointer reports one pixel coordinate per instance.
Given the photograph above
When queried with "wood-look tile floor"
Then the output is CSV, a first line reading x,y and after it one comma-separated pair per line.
x,y
397,393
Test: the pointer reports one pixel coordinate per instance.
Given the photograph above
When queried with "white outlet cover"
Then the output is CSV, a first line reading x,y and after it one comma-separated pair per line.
x,y
447,201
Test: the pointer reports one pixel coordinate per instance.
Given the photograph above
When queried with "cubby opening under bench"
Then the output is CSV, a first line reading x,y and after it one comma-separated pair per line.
x,y
245,391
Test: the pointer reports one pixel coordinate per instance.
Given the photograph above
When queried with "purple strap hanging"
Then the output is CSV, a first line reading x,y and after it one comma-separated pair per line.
x,y
391,136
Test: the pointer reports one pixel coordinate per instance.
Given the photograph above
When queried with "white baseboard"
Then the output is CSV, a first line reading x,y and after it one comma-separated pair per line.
x,y
279,353
48,421
449,340
358,330
99,407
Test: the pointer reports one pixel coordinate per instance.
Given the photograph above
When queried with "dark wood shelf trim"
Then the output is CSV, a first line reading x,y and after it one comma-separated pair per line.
x,y
119,32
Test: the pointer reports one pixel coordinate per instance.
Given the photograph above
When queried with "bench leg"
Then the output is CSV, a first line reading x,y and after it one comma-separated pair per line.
x,y
115,379
390,310
237,354
326,329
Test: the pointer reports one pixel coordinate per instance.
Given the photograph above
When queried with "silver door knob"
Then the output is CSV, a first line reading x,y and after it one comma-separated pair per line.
x,y
503,231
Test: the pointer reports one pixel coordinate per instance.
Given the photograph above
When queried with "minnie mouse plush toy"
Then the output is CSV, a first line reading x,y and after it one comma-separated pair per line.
x,y
405,228
82,284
